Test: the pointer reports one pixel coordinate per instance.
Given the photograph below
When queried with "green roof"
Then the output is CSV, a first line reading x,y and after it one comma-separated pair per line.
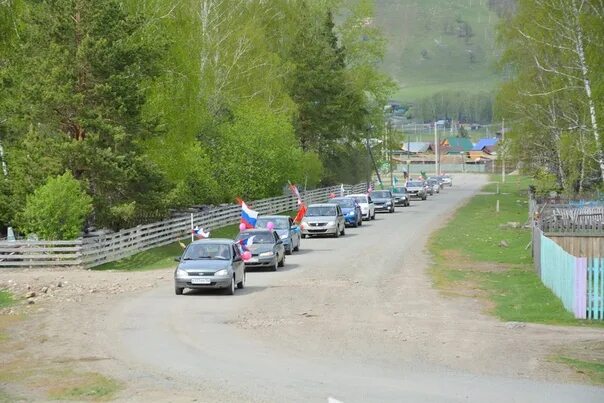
x,y
459,144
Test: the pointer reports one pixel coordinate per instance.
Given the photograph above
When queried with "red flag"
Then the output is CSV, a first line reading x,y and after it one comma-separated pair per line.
x,y
301,213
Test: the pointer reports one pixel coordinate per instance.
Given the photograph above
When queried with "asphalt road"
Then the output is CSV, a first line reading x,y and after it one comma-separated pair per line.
x,y
354,319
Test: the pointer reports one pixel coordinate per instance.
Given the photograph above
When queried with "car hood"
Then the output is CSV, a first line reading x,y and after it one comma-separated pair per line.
x,y
282,232
209,265
347,210
319,219
261,247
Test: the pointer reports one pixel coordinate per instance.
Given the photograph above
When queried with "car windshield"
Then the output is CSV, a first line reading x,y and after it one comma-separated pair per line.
x,y
279,223
399,190
321,211
432,181
360,199
259,237
414,184
210,251
380,194
345,202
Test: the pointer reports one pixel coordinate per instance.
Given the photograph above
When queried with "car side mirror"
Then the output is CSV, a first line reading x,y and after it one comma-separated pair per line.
x,y
177,259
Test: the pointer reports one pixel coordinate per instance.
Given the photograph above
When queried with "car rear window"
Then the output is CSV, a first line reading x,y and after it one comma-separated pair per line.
x,y
414,184
380,194
348,203
321,211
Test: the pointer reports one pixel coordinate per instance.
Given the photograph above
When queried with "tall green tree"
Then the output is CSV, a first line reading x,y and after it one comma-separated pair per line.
x,y
554,50
81,74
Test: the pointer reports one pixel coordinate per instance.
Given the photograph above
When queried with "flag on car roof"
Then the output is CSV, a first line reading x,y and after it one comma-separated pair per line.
x,y
296,192
246,243
301,213
200,233
395,180
248,216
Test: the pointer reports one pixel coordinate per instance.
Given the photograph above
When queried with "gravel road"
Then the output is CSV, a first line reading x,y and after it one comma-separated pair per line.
x,y
355,319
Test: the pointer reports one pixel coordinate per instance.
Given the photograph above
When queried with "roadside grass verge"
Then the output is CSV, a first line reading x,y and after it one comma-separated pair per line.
x,y
87,386
485,254
54,382
6,299
591,369
162,257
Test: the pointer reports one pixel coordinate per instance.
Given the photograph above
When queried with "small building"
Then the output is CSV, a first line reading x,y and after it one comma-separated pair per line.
x,y
486,145
416,147
456,145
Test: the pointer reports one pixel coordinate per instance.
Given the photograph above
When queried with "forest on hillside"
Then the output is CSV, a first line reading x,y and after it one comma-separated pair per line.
x,y
127,109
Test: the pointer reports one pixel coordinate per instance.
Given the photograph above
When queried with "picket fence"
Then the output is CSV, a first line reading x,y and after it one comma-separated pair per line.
x,y
91,252
577,281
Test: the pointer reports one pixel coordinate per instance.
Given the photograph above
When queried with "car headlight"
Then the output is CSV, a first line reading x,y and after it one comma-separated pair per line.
x,y
329,224
350,213
283,236
388,203
223,272
404,198
266,254
181,273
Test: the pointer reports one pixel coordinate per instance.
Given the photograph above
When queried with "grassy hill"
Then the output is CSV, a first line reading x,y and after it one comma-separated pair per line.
x,y
436,45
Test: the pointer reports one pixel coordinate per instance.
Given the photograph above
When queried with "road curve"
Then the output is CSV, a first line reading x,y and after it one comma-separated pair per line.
x,y
353,318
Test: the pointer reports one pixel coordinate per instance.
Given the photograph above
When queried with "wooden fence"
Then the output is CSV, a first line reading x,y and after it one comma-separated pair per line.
x,y
90,252
577,281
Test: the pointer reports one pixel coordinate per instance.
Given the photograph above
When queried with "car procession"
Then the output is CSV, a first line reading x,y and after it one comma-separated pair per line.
x,y
264,241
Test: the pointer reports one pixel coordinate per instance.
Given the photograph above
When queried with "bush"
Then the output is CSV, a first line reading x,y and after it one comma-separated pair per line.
x,y
56,210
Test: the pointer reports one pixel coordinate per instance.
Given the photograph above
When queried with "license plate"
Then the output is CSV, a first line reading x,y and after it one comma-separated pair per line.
x,y
201,281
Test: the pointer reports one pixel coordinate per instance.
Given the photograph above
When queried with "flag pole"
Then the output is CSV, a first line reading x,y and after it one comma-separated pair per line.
x,y
192,234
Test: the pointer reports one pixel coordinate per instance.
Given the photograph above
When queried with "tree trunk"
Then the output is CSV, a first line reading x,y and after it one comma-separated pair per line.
x,y
580,49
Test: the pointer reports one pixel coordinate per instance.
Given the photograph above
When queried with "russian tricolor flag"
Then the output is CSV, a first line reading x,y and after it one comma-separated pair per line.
x,y
248,216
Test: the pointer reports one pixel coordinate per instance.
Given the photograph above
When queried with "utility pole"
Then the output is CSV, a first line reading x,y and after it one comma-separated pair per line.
x,y
503,152
4,169
436,148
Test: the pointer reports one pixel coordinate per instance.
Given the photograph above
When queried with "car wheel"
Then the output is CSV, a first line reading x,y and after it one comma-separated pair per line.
x,y
356,224
343,232
274,268
282,262
288,251
424,198
337,233
373,216
241,284
178,290
297,248
230,290
360,221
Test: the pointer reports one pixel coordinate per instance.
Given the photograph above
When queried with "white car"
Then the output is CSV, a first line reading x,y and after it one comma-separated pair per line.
x,y
366,204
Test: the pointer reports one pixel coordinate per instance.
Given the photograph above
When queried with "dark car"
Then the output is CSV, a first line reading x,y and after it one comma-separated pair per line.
x,y
383,200
266,247
351,209
401,197
210,263
285,227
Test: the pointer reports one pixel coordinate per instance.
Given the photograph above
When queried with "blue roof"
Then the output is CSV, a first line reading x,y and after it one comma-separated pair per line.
x,y
482,143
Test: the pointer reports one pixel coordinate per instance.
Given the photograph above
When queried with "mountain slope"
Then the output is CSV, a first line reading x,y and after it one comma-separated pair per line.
x,y
436,45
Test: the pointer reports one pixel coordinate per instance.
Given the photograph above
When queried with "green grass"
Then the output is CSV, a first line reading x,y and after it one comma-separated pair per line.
x,y
6,299
593,370
468,257
88,387
163,257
